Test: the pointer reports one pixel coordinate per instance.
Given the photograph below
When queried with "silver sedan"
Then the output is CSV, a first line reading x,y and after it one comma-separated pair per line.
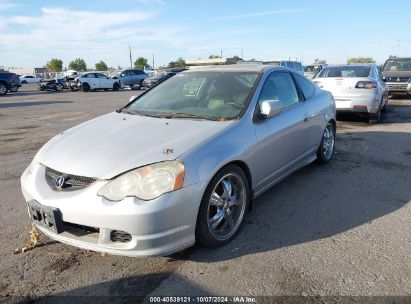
x,y
181,163
357,88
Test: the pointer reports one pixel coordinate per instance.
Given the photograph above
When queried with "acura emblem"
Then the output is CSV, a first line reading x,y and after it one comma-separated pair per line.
x,y
60,182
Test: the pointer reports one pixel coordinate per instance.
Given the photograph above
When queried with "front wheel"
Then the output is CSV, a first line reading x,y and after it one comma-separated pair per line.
x,y
86,87
326,149
223,207
60,87
116,86
3,89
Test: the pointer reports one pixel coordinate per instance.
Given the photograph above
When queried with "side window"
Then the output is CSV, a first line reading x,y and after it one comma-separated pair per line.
x,y
305,85
290,64
279,86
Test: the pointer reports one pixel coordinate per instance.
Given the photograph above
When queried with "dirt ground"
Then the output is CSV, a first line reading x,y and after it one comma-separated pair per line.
x,y
339,230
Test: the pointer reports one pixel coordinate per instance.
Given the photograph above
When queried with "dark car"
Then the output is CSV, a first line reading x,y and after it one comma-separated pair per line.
x,y
9,82
396,72
156,79
55,84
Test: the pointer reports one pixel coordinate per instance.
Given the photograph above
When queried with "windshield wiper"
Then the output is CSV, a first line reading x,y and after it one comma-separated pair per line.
x,y
189,115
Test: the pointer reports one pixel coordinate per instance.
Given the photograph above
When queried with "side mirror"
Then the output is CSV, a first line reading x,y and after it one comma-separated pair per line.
x,y
132,98
270,108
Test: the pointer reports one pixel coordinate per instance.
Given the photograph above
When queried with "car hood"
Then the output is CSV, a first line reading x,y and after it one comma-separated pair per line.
x,y
396,73
115,143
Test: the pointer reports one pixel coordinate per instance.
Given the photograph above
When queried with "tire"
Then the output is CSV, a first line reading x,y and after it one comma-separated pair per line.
x,y
86,87
131,86
60,87
385,107
326,149
374,118
14,88
218,205
3,89
116,86
24,82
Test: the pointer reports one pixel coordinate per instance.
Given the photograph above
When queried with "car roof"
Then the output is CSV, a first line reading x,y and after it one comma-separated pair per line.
x,y
256,68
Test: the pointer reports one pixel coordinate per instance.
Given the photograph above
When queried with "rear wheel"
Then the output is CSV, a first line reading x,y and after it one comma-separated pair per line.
x,y
374,118
222,209
60,87
14,88
86,87
116,86
24,82
326,149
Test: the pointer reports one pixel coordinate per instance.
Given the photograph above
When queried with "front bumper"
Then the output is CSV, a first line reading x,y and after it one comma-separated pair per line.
x,y
399,87
363,104
158,227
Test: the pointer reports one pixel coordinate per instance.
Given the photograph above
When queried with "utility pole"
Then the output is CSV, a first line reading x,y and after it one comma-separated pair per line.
x,y
131,60
242,54
221,53
398,46
153,61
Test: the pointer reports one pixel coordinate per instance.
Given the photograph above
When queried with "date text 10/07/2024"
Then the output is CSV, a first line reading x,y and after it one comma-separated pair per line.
x,y
202,299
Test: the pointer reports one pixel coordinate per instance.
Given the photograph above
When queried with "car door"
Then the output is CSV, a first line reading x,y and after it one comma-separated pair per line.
x,y
103,81
92,80
282,142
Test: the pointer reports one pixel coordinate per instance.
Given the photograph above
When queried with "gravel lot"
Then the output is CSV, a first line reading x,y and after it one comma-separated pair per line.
x,y
343,229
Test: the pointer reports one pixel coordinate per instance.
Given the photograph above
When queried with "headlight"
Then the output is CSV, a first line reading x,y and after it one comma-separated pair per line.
x,y
146,183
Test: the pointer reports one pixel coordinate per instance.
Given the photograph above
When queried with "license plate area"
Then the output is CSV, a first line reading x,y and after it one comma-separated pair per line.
x,y
47,217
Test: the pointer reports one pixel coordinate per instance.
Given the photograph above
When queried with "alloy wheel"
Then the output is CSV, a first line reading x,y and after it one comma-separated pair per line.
x,y
328,141
226,206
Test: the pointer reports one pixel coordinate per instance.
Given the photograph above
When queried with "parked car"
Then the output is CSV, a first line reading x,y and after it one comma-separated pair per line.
x,y
9,82
310,71
156,79
295,65
179,165
357,88
30,79
55,84
94,81
132,77
396,73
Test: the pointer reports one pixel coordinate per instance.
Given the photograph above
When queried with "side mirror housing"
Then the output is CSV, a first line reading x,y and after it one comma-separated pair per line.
x,y
270,108
132,98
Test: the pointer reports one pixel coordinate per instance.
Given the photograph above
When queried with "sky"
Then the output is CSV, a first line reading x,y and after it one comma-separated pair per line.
x,y
34,31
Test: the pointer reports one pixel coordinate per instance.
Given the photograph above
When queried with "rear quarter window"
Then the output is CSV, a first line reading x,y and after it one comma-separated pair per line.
x,y
305,85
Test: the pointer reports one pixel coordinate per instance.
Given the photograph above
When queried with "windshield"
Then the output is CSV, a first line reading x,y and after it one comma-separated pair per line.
x,y
312,68
345,71
398,65
207,95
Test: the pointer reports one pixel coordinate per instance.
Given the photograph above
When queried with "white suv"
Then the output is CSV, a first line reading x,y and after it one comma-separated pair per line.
x,y
95,81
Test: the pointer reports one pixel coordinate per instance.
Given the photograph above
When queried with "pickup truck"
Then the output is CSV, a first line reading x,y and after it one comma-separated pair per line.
x,y
396,72
9,82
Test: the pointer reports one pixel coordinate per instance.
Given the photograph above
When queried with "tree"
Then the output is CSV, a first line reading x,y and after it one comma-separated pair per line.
x,y
54,65
237,58
141,63
361,60
213,56
179,63
320,61
78,64
101,66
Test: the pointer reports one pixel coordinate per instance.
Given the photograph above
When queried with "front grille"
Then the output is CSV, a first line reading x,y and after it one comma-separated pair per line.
x,y
119,236
398,79
401,87
71,182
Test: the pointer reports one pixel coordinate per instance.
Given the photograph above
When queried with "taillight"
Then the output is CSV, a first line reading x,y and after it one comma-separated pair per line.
x,y
366,85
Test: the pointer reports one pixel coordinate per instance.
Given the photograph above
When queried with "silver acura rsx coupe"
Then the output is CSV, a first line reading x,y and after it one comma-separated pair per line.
x,y
181,163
